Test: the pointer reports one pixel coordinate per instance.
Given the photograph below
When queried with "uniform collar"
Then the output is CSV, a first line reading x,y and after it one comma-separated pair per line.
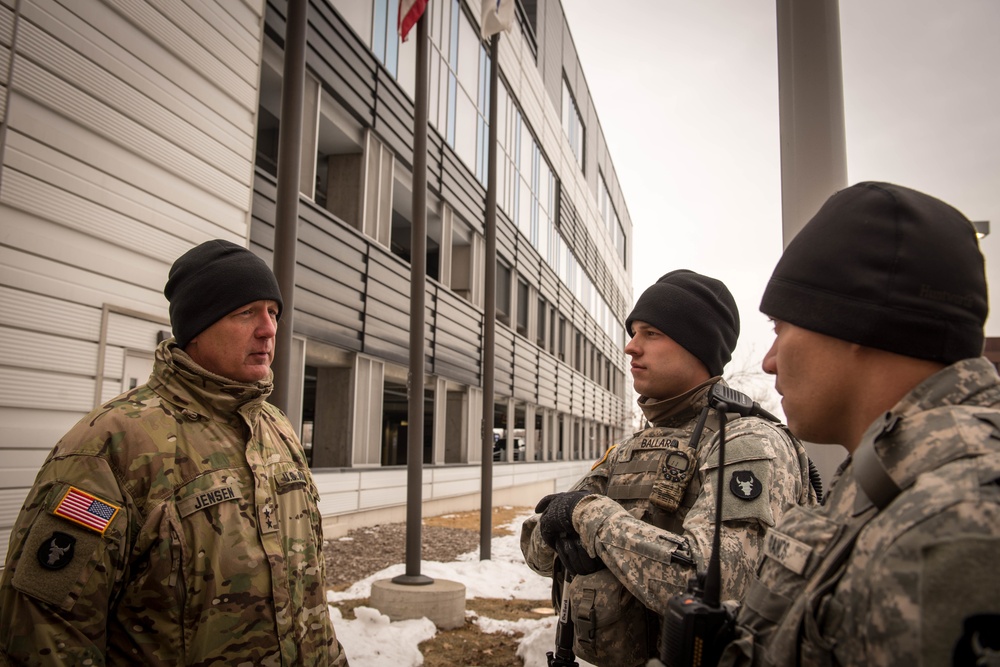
x,y
917,435
180,381
677,410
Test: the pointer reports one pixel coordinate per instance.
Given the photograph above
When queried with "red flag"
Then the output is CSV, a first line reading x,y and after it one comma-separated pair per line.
x,y
410,12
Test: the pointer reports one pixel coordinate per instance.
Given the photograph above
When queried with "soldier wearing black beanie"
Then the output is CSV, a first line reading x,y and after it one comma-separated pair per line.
x,y
634,529
210,281
879,304
698,312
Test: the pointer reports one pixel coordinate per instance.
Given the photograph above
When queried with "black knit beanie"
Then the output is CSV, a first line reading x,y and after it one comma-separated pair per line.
x,y
887,267
696,311
210,281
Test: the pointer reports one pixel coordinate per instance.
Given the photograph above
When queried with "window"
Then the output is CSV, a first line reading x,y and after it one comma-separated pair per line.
x,y
543,309
610,218
503,293
572,124
561,339
463,259
527,186
522,307
552,329
578,343
385,36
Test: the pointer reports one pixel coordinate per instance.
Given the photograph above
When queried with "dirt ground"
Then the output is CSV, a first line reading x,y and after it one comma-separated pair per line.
x,y
467,646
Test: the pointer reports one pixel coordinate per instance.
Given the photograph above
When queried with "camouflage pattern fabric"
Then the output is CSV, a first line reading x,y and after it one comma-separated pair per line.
x,y
645,547
913,584
176,524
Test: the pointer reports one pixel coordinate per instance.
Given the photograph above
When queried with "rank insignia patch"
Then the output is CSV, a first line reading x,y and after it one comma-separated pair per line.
x,y
745,485
56,552
82,508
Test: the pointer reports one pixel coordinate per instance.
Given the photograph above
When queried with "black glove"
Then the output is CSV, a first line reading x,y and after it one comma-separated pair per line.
x,y
556,521
556,528
575,558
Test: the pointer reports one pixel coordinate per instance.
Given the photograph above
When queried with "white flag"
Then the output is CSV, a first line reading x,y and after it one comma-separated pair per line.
x,y
497,15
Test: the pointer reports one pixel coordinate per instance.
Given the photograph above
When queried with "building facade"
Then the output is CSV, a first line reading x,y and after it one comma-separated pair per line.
x,y
134,130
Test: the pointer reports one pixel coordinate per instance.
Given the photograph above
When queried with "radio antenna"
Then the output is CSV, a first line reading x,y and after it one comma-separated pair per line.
x,y
713,577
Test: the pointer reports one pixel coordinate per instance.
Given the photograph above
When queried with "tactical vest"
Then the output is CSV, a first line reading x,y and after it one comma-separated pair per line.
x,y
788,621
611,626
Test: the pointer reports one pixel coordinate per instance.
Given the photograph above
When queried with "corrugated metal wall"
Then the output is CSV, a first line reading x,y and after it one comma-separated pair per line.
x,y
128,136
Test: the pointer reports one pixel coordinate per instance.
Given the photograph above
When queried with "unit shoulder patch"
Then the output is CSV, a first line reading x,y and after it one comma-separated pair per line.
x,y
744,485
57,551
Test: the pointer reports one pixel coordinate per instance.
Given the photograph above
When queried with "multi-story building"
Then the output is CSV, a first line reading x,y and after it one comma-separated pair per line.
x,y
134,130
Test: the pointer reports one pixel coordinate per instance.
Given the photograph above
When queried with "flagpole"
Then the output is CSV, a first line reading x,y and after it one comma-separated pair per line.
x,y
418,280
489,317
286,204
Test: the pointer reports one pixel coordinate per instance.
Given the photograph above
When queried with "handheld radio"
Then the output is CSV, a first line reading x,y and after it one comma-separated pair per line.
x,y
696,626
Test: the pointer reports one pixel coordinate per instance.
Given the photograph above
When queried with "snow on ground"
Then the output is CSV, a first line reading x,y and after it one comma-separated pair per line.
x,y
373,641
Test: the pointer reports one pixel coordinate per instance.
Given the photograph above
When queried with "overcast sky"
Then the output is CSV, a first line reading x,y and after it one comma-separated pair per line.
x,y
687,96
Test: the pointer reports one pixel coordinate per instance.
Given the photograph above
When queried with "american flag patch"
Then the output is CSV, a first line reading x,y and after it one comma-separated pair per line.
x,y
82,508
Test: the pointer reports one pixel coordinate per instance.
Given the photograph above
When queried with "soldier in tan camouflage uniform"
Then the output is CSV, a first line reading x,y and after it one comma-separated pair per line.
x,y
652,522
879,305
178,523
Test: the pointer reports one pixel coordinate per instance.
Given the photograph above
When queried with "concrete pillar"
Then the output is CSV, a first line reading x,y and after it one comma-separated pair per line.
x,y
444,256
379,164
529,432
344,187
509,431
811,109
473,443
332,441
439,427
369,379
456,427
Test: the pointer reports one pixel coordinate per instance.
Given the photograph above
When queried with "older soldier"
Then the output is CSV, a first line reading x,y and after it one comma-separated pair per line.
x,y
647,509
878,307
177,523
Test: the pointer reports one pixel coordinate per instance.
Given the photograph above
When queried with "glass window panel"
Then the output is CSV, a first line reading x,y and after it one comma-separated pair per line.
x,y
440,15
358,14
465,130
503,118
436,93
503,293
468,55
406,74
524,209
522,307
378,29
452,94
392,38
455,19
540,336
525,153
543,187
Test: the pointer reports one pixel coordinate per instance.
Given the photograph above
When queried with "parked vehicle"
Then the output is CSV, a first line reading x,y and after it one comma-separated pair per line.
x,y
500,449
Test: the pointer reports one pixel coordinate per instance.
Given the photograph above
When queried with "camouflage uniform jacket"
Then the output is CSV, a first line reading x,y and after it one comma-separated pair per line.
x,y
913,584
175,525
649,551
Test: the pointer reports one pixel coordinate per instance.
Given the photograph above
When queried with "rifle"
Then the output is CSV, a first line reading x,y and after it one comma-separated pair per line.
x,y
563,655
